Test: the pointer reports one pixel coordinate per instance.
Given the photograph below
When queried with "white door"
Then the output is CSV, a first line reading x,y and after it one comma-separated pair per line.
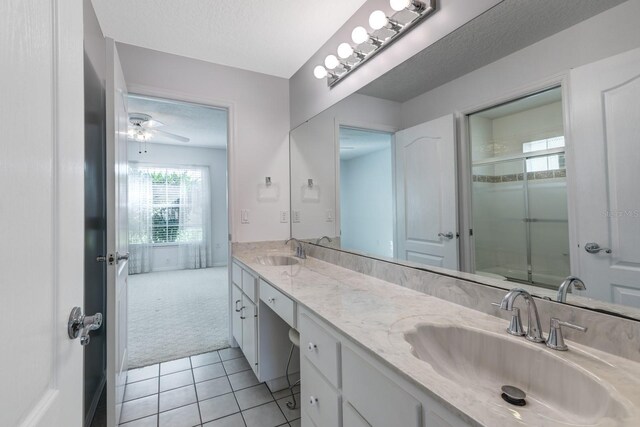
x,y
42,227
426,193
117,239
605,130
236,318
250,333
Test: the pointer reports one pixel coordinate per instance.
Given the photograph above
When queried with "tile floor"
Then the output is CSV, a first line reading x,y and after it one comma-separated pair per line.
x,y
216,389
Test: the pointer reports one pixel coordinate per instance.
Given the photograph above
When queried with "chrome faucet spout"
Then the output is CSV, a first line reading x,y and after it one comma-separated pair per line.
x,y
327,238
534,329
574,281
300,253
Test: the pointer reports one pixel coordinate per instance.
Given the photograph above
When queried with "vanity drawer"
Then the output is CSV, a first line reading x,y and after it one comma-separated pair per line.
x,y
236,274
379,400
318,399
320,348
278,302
249,285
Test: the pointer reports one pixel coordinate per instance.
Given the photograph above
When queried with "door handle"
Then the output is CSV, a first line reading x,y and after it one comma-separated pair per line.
x,y
105,258
121,257
447,235
594,248
238,309
79,322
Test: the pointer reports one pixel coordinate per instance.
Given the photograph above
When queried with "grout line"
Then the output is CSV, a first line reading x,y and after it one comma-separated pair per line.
x,y
234,394
158,411
196,391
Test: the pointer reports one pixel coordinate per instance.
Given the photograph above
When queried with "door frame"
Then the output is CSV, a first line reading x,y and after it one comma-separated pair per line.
x,y
158,92
465,193
375,127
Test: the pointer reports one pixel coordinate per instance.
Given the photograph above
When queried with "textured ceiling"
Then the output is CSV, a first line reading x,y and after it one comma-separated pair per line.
x,y
204,126
506,28
273,37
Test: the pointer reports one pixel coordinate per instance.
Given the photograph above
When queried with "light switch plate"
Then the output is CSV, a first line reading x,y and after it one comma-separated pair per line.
x,y
244,216
329,215
296,216
284,216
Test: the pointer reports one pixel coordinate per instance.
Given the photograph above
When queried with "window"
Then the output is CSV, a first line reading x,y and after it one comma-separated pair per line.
x,y
544,163
166,204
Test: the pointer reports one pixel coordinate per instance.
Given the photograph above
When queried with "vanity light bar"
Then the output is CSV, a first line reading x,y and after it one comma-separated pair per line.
x,y
386,30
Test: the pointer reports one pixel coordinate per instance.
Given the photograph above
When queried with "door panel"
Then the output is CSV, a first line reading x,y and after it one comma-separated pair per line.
x,y
426,192
249,333
117,239
41,168
605,123
236,320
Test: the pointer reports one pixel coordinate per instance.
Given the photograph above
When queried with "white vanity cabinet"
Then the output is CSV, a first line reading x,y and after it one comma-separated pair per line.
x,y
244,318
344,386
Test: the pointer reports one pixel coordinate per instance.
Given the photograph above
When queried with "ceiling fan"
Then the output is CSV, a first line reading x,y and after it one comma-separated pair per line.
x,y
143,127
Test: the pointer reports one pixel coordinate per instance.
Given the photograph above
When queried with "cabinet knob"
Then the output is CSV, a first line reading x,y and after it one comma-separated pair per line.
x,y
271,300
313,400
312,346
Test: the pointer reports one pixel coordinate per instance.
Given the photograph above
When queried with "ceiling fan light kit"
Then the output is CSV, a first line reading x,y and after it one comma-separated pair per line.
x,y
142,128
385,31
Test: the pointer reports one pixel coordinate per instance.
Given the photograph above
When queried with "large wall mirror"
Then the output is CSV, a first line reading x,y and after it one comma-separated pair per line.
x,y
525,184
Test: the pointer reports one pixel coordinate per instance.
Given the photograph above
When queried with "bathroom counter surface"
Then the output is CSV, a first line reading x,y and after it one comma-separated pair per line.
x,y
373,313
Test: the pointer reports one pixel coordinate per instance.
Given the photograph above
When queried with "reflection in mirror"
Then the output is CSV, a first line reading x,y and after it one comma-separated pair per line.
x,y
509,175
519,195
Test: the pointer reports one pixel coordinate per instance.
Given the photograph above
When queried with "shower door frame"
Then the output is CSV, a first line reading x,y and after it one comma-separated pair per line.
x,y
465,190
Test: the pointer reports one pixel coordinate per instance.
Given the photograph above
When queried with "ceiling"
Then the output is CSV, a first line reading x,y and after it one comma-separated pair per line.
x,y
273,37
360,142
204,126
506,28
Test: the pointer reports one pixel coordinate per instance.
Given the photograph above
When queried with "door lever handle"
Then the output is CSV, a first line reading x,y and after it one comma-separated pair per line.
x,y
594,248
447,235
122,257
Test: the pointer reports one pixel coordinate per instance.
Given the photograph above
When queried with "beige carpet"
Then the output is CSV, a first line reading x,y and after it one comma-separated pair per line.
x,y
173,314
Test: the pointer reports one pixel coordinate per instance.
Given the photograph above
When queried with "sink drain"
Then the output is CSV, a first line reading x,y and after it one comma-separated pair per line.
x,y
513,395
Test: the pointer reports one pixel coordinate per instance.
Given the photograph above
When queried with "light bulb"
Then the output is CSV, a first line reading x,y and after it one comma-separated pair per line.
x,y
378,19
359,35
331,62
399,5
345,50
320,72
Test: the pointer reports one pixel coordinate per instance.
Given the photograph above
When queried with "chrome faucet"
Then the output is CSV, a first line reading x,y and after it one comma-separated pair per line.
x,y
300,253
327,238
566,286
534,330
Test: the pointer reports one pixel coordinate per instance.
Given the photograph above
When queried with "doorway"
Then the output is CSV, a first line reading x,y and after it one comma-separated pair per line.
x,y
366,191
178,230
519,190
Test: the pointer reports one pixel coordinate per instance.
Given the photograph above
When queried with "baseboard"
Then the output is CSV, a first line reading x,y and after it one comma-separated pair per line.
x,y
96,399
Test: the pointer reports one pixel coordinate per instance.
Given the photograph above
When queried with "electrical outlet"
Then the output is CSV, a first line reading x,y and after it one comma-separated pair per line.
x,y
329,215
244,216
296,216
284,216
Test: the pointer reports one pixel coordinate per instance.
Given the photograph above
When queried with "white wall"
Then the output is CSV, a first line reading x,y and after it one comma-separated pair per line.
x,y
313,155
611,32
166,257
310,96
259,114
367,203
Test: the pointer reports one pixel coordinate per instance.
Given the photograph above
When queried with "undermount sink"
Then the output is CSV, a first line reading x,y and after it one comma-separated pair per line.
x,y
276,260
558,390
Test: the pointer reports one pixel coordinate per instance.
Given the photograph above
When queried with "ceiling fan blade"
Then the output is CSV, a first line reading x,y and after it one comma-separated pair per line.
x,y
152,123
171,135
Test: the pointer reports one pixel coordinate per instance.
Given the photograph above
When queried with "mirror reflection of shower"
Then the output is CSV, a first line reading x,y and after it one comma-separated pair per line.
x,y
519,197
366,191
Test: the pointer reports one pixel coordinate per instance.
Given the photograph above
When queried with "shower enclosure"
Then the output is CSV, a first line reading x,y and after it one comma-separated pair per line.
x,y
520,220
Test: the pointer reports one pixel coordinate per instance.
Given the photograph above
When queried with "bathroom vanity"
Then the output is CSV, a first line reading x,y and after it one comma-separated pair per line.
x,y
375,353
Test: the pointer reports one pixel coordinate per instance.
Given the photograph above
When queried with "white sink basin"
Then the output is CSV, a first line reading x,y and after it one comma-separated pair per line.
x,y
276,260
559,392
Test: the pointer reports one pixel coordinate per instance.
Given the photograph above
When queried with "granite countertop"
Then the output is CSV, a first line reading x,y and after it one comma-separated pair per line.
x,y
375,314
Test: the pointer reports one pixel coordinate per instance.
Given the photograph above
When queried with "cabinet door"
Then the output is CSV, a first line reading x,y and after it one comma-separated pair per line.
x,y
249,333
236,317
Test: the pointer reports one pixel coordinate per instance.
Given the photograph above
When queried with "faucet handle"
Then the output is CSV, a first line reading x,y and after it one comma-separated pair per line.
x,y
515,325
556,340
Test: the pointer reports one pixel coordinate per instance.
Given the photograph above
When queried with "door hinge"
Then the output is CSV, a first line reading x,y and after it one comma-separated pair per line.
x,y
471,232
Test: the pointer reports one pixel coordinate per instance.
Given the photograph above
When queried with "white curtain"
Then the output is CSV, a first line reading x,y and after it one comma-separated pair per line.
x,y
194,240
140,200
